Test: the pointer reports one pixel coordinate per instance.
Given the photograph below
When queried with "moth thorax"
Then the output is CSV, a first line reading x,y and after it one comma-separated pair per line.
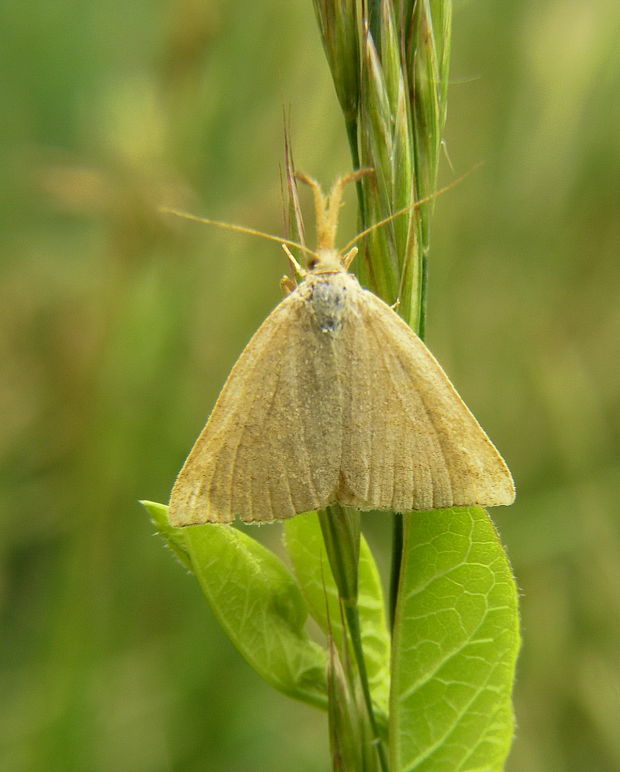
x,y
327,299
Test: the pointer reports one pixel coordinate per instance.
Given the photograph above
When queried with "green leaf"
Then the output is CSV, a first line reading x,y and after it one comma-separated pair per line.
x,y
456,639
256,601
304,542
174,537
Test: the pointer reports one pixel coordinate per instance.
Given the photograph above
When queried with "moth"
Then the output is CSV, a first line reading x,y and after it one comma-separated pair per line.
x,y
335,400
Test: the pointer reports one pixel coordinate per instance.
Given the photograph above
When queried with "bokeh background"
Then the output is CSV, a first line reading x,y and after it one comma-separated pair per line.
x,y
118,327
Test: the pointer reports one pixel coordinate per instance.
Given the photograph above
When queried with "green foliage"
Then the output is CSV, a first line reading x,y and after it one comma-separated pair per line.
x,y
395,111
456,634
306,548
255,600
350,733
401,114
456,639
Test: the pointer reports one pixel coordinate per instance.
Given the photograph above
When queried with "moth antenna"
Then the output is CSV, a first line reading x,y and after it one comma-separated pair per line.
x,y
408,208
348,257
238,228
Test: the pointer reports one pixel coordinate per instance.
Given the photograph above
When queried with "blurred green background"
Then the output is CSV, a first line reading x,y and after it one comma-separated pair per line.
x,y
118,327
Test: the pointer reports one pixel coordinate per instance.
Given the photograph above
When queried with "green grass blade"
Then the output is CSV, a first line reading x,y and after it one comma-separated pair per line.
x,y
306,548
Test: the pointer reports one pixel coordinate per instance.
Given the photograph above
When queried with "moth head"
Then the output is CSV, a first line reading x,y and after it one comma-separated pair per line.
x,y
326,261
326,258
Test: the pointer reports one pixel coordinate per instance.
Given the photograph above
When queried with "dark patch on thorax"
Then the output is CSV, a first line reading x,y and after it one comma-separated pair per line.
x,y
327,300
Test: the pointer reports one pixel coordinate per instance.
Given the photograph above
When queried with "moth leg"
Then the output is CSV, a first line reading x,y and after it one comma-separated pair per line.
x,y
287,285
296,269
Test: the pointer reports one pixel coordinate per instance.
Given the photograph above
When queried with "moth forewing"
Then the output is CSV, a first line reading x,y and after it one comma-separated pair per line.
x,y
335,400
424,447
270,448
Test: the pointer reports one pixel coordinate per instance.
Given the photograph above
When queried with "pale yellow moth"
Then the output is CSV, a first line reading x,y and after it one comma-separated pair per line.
x,y
335,400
